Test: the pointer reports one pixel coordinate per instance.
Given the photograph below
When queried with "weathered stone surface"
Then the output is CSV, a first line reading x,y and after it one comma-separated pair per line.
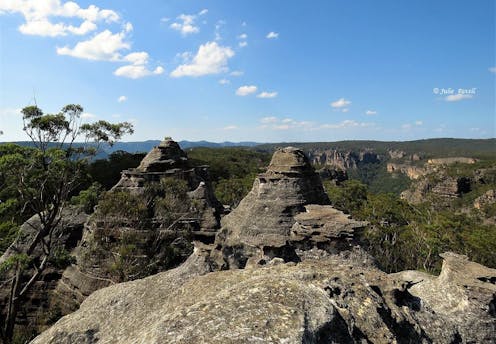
x,y
324,227
330,300
486,199
412,171
462,297
260,228
453,160
437,184
342,160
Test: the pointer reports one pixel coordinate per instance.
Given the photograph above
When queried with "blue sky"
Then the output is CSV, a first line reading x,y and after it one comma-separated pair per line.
x,y
266,71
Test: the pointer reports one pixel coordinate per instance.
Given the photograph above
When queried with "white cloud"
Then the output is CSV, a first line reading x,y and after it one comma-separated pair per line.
x,y
224,81
275,123
37,13
371,112
243,36
165,19
349,123
122,99
492,69
211,58
242,44
267,120
457,97
418,123
406,126
345,110
267,95
236,73
137,71
272,35
46,28
340,103
137,67
246,90
104,46
218,26
230,127
128,27
186,23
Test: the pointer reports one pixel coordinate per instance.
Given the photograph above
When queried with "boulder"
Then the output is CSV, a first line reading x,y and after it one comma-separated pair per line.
x,y
331,300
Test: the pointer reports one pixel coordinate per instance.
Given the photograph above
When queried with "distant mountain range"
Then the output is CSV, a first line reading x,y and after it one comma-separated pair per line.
x,y
439,147
146,146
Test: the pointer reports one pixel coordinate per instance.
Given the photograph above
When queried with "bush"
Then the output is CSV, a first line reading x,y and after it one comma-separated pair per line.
x,y
123,207
88,198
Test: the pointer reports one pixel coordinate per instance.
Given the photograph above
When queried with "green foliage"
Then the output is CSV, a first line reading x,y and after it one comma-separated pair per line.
x,y
232,170
168,200
88,198
231,191
20,259
60,258
8,232
228,163
349,196
402,236
107,172
105,131
121,207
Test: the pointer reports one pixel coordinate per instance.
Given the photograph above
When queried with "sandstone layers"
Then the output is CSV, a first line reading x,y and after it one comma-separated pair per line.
x,y
284,268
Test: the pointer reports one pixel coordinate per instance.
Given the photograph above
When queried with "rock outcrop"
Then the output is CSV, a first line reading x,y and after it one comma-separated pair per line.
x,y
453,160
112,248
488,198
342,160
273,220
412,171
336,299
285,268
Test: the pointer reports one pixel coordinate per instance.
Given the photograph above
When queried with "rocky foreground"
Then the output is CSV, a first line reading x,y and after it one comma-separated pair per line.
x,y
285,268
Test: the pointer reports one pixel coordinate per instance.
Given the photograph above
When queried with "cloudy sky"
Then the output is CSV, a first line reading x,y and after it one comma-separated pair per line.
x,y
264,70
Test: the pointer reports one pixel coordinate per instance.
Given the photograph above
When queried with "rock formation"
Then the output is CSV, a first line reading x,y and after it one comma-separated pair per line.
x,y
486,199
449,161
303,281
276,215
103,246
104,242
336,299
342,160
412,171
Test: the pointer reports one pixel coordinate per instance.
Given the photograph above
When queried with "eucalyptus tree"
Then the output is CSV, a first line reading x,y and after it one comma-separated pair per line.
x,y
45,174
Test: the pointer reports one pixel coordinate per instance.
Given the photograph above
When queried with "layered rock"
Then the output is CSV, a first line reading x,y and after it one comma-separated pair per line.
x,y
304,281
266,222
412,171
342,160
109,248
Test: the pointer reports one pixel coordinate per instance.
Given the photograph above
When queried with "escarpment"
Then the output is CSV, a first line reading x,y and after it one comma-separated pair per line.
x,y
285,268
